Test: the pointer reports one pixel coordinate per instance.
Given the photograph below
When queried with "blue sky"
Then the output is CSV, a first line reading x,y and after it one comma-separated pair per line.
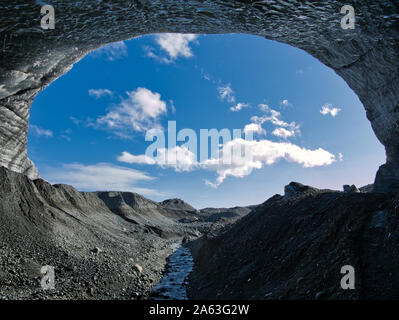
x,y
88,127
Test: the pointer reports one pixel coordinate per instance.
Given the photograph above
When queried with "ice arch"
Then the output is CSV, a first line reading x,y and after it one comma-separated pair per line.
x,y
366,58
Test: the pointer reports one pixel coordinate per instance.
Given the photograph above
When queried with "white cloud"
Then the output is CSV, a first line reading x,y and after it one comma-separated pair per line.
x,y
75,121
67,138
231,161
140,111
226,93
112,51
140,159
172,106
98,93
285,103
239,106
101,176
264,107
174,44
264,152
211,184
180,158
41,132
255,128
283,133
273,116
65,135
327,109
340,156
206,75
151,52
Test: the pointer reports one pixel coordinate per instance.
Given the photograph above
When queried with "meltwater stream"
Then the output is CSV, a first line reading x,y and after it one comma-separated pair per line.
x,y
173,284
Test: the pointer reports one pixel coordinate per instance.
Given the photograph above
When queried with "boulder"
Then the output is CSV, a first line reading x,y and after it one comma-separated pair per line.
x,y
350,189
96,250
137,268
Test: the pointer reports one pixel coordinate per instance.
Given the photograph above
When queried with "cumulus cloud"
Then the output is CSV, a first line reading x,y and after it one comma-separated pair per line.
x,y
101,176
180,158
239,106
328,109
226,93
264,107
274,117
261,153
98,93
283,133
140,111
112,51
236,158
175,45
255,128
40,132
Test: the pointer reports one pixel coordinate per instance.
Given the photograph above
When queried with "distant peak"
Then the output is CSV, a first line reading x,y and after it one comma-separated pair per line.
x,y
177,204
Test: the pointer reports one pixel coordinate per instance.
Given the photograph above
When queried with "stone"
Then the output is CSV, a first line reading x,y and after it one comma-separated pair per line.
x,y
350,189
137,268
96,250
365,57
295,188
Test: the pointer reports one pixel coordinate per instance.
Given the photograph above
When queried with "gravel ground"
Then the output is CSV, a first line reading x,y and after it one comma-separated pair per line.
x,y
294,246
102,245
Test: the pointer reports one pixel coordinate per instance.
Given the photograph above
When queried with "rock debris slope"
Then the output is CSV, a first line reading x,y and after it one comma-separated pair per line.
x,y
103,245
294,246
